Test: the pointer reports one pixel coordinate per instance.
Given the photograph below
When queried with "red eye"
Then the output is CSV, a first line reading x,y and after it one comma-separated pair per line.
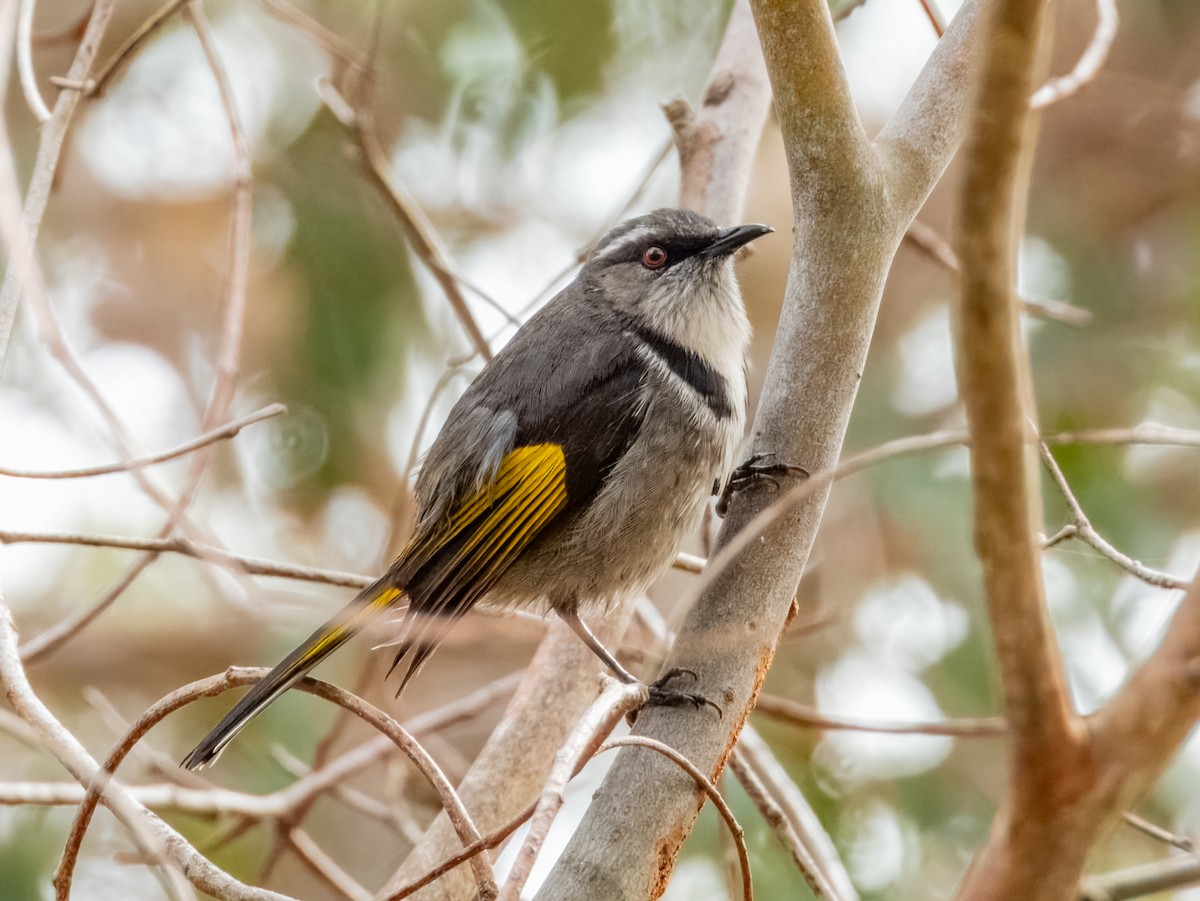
x,y
654,257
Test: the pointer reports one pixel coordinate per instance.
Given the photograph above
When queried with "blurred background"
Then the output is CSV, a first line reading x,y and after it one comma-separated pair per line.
x,y
523,129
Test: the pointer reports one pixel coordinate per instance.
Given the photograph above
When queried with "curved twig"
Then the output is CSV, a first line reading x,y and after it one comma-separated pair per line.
x,y
1089,62
33,97
240,676
705,784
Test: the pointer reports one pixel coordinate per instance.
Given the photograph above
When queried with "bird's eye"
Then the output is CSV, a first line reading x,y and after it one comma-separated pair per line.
x,y
654,257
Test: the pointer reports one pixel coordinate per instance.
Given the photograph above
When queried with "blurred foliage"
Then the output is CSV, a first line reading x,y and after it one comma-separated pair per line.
x,y
359,302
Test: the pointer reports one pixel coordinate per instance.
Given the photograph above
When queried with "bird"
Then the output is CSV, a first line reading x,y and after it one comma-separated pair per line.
x,y
569,472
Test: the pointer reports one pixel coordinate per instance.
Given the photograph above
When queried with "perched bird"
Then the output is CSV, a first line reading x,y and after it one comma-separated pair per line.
x,y
572,468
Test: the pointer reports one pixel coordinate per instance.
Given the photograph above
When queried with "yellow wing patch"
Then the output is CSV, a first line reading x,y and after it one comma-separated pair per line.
x,y
498,521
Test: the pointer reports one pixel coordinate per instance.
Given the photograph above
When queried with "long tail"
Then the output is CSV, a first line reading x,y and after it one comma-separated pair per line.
x,y
370,602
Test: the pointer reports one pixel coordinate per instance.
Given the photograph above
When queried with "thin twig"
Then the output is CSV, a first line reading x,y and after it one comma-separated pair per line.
x,y
238,260
179,544
797,714
23,276
792,818
705,785
935,18
238,676
1089,63
229,430
489,841
284,826
938,249
236,563
98,85
606,711
776,819
325,867
422,237
330,41
33,97
1182,842
1143,433
1082,529
51,639
1140,882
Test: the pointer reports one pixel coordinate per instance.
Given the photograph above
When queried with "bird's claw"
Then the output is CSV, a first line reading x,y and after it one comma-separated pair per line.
x,y
758,468
659,695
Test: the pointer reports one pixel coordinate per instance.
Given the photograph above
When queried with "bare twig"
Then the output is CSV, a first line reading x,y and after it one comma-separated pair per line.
x,y
1141,824
33,97
1089,62
325,867
238,261
935,17
938,249
778,822
179,544
235,677
606,711
359,121
98,85
328,40
797,714
789,814
489,841
1141,882
705,785
53,638
22,275
1142,433
1081,528
228,430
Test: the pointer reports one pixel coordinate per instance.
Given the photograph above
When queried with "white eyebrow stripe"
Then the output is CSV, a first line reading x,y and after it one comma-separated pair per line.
x,y
637,236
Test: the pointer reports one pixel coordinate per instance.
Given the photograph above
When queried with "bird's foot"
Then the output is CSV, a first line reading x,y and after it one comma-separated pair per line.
x,y
662,696
758,468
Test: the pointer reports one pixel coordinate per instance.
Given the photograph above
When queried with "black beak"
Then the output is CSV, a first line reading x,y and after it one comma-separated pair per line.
x,y
730,239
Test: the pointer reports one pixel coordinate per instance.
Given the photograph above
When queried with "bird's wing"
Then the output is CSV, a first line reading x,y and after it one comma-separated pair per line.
x,y
568,431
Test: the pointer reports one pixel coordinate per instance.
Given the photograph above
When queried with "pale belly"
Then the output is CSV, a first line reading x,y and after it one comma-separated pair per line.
x,y
633,529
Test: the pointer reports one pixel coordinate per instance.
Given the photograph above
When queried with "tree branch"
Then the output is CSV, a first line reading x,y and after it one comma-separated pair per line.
x,y
848,225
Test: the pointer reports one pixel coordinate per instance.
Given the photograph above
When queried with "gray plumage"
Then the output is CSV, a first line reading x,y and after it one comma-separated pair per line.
x,y
654,494
635,376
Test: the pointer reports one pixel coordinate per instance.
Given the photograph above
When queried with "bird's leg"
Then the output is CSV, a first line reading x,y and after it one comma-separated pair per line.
x,y
659,694
758,468
579,627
